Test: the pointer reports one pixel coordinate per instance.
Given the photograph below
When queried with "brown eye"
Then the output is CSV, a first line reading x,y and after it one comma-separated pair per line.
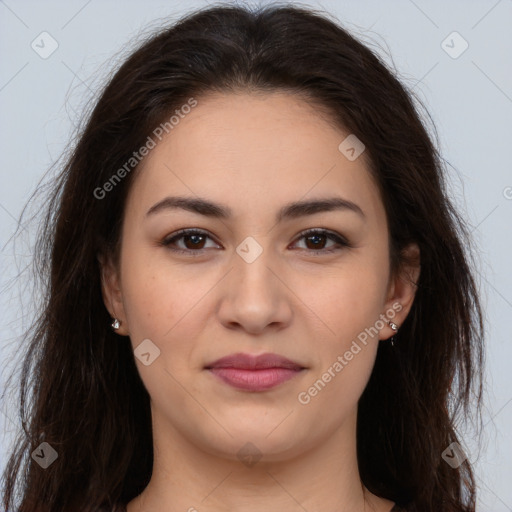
x,y
315,241
187,241
193,241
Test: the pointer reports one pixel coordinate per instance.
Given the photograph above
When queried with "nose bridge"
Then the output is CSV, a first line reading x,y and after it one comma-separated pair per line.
x,y
254,297
251,273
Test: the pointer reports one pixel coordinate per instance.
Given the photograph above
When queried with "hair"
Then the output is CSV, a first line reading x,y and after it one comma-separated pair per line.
x,y
80,390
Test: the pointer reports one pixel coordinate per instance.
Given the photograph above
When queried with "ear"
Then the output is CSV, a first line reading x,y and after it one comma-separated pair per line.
x,y
402,290
112,294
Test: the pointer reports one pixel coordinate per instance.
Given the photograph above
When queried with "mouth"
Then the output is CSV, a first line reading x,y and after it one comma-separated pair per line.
x,y
254,373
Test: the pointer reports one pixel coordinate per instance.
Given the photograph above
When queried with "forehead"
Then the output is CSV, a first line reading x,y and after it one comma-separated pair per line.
x,y
252,150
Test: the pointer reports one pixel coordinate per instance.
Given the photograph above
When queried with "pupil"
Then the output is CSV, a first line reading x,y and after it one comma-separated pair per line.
x,y
316,238
196,239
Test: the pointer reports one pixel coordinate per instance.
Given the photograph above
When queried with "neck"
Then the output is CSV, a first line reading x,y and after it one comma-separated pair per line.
x,y
323,477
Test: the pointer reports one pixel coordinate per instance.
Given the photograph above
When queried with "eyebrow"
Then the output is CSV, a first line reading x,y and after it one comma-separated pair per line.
x,y
289,211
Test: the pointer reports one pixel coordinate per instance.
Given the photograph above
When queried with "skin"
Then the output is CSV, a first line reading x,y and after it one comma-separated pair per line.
x,y
254,153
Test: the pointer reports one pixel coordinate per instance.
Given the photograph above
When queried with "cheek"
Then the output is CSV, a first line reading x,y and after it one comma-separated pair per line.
x,y
170,306
347,305
345,344
346,300
159,295
164,307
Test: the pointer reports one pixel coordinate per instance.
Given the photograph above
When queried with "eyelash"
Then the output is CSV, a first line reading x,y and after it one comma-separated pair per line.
x,y
341,241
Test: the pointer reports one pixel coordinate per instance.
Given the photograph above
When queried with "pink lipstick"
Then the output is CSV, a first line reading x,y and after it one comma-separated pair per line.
x,y
254,373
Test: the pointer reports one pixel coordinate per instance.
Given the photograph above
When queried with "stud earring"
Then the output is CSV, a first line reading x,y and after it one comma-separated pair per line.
x,y
116,324
395,329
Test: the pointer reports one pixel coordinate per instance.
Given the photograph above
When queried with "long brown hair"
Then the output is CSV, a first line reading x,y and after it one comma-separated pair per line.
x,y
80,390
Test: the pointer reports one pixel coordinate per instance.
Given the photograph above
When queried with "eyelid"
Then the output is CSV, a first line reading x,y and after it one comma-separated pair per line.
x,y
332,235
183,232
341,242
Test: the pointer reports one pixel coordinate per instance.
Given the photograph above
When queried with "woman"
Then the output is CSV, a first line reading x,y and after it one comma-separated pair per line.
x,y
257,294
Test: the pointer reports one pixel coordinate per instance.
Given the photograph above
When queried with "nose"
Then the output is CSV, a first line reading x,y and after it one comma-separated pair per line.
x,y
254,296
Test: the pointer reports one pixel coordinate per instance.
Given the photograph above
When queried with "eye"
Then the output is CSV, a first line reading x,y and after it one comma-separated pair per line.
x,y
315,240
193,240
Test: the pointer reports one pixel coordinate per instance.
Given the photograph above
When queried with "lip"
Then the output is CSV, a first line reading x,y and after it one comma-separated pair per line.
x,y
254,373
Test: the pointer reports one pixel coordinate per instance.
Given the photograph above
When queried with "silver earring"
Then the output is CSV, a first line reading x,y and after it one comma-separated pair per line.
x,y
395,329
116,324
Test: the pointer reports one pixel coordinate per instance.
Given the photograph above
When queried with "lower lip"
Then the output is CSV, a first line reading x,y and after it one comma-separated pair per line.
x,y
254,380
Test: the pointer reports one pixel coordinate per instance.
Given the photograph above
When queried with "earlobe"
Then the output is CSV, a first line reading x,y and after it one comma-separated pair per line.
x,y
112,294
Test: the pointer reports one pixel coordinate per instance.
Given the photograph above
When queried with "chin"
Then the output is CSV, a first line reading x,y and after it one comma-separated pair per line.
x,y
260,442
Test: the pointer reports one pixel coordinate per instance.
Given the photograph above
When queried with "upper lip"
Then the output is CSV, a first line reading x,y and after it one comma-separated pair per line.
x,y
252,362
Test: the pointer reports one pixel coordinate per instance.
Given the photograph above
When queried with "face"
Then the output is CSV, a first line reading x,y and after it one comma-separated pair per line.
x,y
247,279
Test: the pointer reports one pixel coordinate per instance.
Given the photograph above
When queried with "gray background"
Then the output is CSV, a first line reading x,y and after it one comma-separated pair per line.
x,y
469,98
